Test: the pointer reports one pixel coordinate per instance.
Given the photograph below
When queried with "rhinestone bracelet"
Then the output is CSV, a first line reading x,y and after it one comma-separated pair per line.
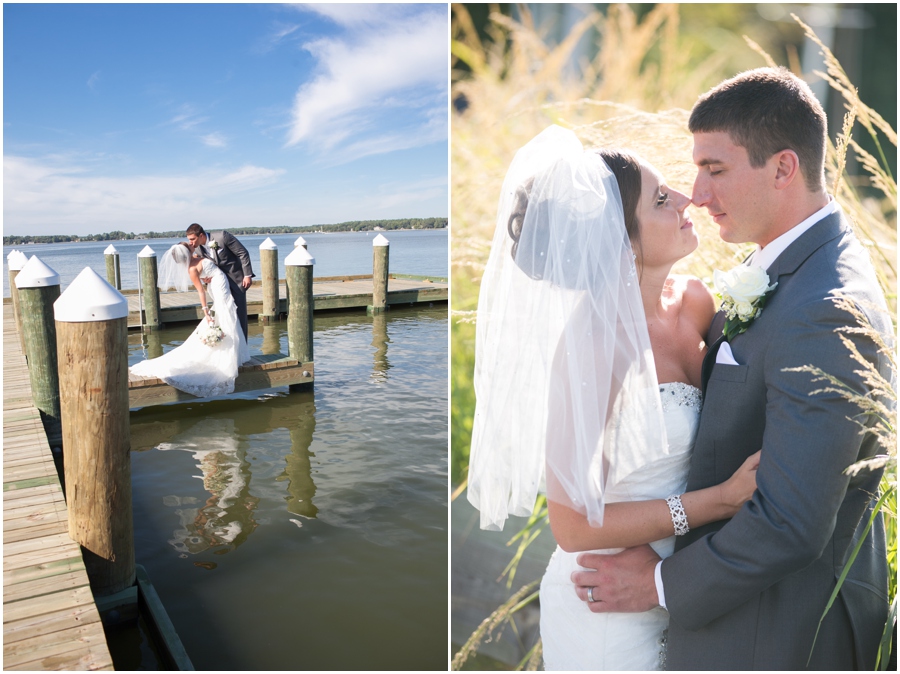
x,y
679,518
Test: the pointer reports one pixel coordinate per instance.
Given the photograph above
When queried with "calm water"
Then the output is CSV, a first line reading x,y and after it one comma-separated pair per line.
x,y
420,252
306,530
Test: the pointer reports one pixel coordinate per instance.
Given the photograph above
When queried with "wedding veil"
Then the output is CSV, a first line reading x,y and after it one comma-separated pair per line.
x,y
173,269
564,373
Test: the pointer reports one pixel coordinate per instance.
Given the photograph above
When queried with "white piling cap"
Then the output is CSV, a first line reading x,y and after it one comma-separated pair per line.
x,y
36,274
89,298
146,251
300,257
110,250
300,241
16,260
380,241
268,244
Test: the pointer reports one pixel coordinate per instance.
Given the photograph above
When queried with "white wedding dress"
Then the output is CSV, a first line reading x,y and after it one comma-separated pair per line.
x,y
194,367
573,637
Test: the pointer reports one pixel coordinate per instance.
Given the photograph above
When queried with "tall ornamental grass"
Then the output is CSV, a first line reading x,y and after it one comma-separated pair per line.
x,y
636,93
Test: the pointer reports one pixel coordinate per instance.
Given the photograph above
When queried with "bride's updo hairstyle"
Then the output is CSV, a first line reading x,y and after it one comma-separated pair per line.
x,y
625,167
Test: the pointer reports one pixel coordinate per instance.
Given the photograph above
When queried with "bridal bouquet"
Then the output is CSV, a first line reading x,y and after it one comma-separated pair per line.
x,y
211,335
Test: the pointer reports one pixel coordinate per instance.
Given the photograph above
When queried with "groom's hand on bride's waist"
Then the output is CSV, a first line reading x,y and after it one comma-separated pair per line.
x,y
620,583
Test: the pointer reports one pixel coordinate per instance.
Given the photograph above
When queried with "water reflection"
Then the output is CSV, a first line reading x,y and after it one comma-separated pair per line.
x,y
380,341
323,492
225,519
152,344
271,338
298,464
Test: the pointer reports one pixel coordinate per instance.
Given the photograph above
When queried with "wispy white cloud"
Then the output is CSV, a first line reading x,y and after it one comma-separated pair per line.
x,y
92,80
75,199
188,117
190,120
387,65
279,33
214,140
353,14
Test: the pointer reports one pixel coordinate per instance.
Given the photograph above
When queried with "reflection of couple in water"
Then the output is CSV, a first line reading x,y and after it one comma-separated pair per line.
x,y
226,517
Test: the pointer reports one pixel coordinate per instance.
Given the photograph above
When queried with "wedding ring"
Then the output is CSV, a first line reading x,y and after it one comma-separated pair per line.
x,y
591,595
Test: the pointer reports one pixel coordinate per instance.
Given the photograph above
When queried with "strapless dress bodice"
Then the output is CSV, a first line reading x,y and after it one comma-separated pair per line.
x,y
573,637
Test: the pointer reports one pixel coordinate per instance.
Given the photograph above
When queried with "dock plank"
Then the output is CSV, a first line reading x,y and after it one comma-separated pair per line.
x,y
260,372
50,647
50,621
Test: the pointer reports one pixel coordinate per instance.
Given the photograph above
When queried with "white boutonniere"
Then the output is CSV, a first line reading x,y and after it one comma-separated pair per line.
x,y
744,291
214,245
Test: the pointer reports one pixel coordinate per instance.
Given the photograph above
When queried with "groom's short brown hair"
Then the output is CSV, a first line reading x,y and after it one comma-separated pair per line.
x,y
195,229
765,111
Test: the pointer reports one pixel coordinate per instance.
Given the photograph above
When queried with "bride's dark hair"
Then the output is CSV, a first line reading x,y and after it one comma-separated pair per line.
x,y
625,166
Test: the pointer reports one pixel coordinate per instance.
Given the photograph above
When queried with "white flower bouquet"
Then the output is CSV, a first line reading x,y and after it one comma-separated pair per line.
x,y
211,334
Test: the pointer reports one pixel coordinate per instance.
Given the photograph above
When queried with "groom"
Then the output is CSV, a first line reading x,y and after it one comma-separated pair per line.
x,y
748,593
232,258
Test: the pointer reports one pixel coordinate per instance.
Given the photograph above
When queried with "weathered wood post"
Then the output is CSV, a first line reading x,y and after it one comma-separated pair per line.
x,y
380,250
15,261
268,255
149,276
38,287
301,242
299,273
92,334
113,270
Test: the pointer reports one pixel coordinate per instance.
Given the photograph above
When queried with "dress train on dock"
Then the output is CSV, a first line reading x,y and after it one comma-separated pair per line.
x,y
194,367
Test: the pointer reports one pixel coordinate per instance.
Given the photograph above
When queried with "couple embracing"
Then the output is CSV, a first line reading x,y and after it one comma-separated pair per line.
x,y
218,266
695,484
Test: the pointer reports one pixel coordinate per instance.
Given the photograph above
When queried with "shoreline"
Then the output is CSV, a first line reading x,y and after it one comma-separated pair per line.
x,y
169,235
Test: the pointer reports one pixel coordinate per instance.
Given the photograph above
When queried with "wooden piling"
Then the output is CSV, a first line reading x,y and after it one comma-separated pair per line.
x,y
91,331
15,261
38,287
149,276
301,242
299,275
113,270
380,254
268,255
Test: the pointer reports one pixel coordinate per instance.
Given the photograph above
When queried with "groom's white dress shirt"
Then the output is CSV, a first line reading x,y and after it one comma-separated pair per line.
x,y
764,257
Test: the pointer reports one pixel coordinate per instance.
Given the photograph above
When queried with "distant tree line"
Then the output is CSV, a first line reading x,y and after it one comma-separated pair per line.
x,y
351,226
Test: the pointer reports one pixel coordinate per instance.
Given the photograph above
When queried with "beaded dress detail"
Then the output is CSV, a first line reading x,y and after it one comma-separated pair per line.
x,y
573,637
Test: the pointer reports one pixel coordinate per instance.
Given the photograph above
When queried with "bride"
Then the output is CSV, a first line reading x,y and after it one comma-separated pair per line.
x,y
206,364
588,356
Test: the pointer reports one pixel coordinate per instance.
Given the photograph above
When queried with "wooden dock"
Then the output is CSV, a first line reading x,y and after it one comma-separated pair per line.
x,y
329,293
260,372
50,621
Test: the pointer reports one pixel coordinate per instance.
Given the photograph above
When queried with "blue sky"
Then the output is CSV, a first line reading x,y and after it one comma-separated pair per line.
x,y
154,116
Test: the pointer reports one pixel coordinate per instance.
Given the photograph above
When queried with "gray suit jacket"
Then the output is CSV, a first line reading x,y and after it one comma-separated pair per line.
x,y
748,593
231,256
